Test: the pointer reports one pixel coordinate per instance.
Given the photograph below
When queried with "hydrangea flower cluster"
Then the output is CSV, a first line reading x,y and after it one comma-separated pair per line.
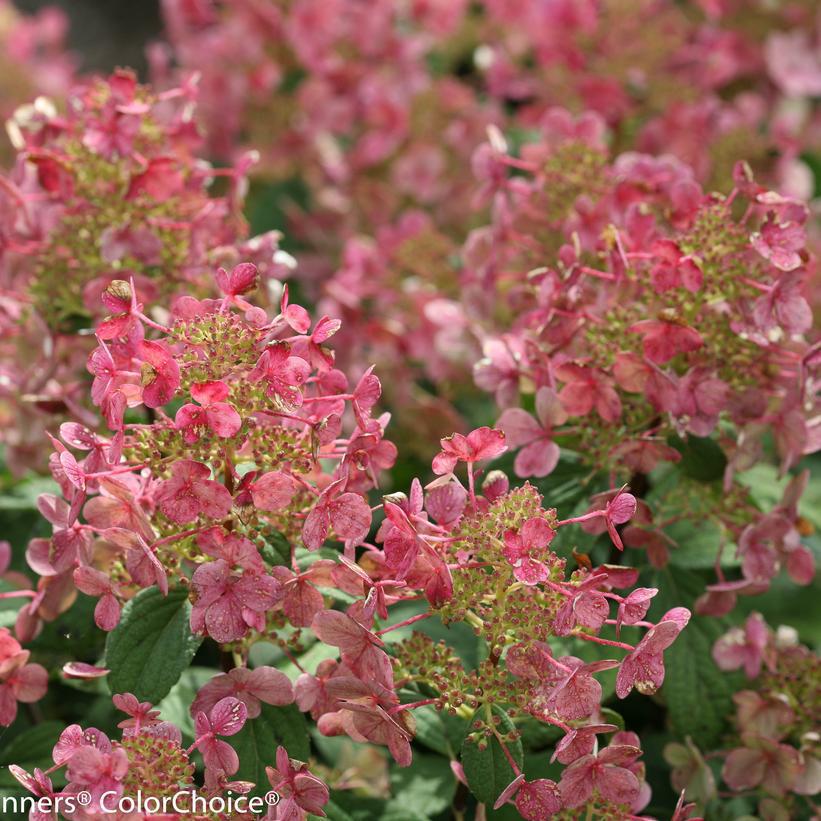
x,y
259,406
150,763
112,190
254,438
669,314
611,303
706,81
777,755
33,59
355,122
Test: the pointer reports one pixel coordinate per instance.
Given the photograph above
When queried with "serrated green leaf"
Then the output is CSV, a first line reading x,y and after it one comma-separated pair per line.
x,y
427,785
439,731
256,743
31,748
151,646
175,707
488,771
698,695
701,458
698,546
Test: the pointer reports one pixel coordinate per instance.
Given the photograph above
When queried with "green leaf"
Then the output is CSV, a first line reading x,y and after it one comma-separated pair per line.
x,y
537,735
698,546
701,458
697,693
151,646
427,785
609,716
256,743
31,748
333,812
439,731
175,707
488,771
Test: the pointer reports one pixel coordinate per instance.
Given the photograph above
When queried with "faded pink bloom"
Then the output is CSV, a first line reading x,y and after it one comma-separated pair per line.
x,y
608,510
348,514
763,762
160,374
227,605
226,718
369,712
97,770
141,713
586,389
296,785
527,550
252,687
535,800
480,444
19,681
780,243
605,774
498,370
242,279
539,454
272,491
93,582
643,668
360,649
191,493
212,413
664,339
579,742
673,269
633,608
748,647
283,374
235,550
573,693
769,717
784,305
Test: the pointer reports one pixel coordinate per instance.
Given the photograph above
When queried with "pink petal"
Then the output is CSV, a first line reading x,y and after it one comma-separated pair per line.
x,y
350,517
272,491
519,427
537,459
228,716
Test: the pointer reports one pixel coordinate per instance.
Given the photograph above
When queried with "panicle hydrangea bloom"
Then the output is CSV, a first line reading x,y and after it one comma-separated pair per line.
x,y
190,496
237,450
349,88
112,189
648,318
775,756
150,762
355,96
33,60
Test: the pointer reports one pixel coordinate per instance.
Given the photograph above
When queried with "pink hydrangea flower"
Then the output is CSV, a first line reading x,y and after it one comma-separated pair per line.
x,y
299,790
226,718
19,680
606,774
748,647
227,605
478,445
527,549
539,454
191,493
643,668
212,413
262,685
